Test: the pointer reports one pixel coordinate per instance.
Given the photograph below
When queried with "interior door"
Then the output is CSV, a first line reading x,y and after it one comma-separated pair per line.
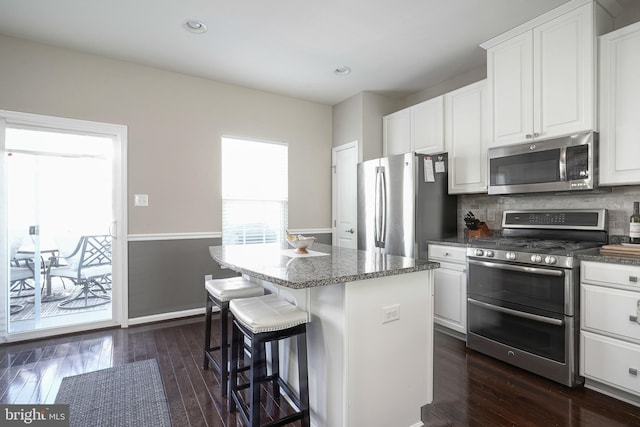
x,y
62,197
345,186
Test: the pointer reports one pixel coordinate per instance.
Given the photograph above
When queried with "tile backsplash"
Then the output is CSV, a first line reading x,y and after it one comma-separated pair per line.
x,y
618,201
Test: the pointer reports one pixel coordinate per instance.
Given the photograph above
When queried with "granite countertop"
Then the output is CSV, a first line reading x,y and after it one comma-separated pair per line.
x,y
269,262
594,255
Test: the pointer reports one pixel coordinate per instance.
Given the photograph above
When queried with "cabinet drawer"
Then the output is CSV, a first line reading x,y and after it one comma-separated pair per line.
x,y
627,276
614,362
610,311
448,253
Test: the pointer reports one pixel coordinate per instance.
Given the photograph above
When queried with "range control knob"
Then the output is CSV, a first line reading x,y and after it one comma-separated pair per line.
x,y
479,252
510,256
536,258
550,260
489,254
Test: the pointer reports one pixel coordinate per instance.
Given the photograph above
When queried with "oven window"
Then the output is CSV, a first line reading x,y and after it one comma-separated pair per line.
x,y
518,289
532,336
529,168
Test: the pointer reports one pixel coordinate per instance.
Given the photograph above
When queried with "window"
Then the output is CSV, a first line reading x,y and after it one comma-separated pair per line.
x,y
254,191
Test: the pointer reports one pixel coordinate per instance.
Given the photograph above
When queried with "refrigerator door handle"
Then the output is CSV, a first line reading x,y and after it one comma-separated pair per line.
x,y
376,213
383,209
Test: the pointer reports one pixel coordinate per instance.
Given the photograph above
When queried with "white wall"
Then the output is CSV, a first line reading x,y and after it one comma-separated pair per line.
x,y
174,124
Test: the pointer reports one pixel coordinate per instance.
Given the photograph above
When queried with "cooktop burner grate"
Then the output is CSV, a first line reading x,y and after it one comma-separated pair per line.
x,y
539,245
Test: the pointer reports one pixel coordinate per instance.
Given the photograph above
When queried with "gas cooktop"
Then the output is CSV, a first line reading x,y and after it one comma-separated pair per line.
x,y
547,237
539,245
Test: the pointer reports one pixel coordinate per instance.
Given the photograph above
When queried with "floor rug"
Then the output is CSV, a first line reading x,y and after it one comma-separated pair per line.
x,y
123,396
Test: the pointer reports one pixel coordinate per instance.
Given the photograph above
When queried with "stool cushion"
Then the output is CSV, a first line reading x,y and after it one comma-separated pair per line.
x,y
234,287
267,313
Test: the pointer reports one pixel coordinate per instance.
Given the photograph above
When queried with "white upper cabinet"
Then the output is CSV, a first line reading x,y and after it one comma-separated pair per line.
x,y
510,84
427,126
419,128
396,133
541,81
466,138
619,97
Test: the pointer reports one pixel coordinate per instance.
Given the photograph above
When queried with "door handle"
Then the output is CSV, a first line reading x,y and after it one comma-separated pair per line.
x,y
522,314
376,213
633,318
113,229
351,230
383,228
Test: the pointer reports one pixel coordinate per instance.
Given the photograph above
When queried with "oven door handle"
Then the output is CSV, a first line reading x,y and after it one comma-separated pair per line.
x,y
520,268
529,316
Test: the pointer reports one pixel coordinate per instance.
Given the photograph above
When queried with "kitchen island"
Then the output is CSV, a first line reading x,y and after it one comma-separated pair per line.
x,y
370,336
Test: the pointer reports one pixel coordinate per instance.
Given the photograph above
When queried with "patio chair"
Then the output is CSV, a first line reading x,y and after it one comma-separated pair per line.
x,y
20,271
89,267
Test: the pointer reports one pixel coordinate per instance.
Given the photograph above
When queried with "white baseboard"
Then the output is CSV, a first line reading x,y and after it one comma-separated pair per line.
x,y
167,316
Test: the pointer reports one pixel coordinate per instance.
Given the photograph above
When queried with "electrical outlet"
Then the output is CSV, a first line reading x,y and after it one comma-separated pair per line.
x,y
390,313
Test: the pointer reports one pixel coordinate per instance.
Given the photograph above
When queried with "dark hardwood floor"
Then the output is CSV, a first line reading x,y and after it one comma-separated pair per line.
x,y
470,389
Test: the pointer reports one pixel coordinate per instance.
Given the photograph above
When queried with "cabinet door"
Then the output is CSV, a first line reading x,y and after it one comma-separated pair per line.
x,y
510,86
397,133
450,298
619,95
563,76
466,138
427,126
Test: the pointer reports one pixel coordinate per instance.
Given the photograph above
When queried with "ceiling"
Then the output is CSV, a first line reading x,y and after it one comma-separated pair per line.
x,y
290,47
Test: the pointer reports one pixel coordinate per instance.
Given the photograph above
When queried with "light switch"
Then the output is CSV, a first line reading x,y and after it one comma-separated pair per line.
x,y
141,200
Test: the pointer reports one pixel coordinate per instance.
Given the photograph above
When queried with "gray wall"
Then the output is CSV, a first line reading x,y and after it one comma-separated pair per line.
x,y
359,118
168,275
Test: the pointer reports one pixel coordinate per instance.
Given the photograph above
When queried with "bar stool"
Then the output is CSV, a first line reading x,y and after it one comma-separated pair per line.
x,y
219,293
263,320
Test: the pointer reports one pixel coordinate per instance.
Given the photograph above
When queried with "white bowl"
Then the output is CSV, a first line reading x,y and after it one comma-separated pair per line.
x,y
301,244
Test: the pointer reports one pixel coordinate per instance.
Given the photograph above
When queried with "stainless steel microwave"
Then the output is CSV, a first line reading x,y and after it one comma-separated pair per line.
x,y
562,164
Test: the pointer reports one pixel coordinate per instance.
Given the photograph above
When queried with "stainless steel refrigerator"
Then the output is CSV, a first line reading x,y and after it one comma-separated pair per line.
x,y
403,201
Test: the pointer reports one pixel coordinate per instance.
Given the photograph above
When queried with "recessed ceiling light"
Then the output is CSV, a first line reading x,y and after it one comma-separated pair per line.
x,y
342,71
195,26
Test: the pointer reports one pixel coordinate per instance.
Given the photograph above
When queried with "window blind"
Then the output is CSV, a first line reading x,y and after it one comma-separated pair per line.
x,y
254,191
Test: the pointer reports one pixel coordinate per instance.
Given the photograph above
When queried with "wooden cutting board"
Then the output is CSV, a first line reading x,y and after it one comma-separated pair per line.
x,y
620,250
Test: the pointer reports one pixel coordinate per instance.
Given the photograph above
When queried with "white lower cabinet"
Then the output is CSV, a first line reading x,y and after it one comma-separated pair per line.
x,y
613,362
450,287
610,329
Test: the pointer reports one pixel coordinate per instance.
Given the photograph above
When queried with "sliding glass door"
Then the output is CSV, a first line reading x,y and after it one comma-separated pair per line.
x,y
61,196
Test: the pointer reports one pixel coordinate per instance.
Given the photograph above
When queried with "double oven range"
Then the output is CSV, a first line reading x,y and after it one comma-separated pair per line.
x,y
523,289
